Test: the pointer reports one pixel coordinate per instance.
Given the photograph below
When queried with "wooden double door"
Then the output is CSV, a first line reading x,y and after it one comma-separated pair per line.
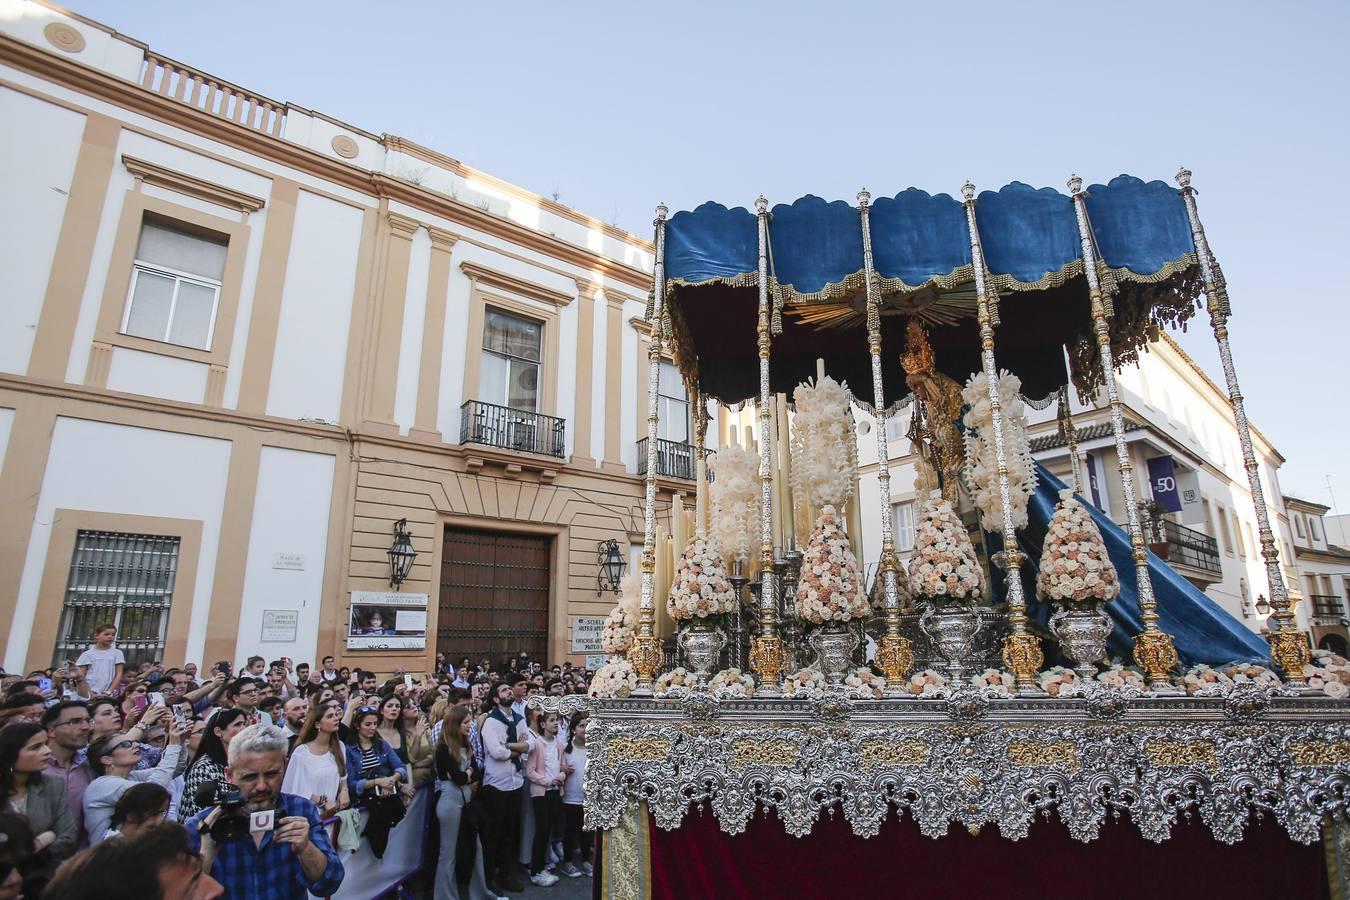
x,y
494,598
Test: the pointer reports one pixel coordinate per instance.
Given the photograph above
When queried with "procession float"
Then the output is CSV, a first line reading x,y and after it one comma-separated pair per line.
x,y
1048,703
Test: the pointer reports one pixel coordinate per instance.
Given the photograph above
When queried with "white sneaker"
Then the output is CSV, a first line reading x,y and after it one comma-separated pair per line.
x,y
543,879
588,868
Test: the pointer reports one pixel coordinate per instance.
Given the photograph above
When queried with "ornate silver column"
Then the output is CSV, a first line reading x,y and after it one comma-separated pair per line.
x,y
1153,649
896,654
1288,645
1021,649
766,657
645,654
1070,438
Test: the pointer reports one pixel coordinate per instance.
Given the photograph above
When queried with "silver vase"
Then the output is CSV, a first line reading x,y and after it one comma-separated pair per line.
x,y
834,643
701,643
952,630
1082,630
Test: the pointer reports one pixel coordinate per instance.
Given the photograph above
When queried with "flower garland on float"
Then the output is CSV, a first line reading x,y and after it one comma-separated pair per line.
x,y
981,472
824,457
700,589
1074,564
616,635
944,568
616,678
734,500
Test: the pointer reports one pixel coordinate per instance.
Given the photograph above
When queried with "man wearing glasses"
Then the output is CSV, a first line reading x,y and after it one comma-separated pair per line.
x,y
243,693
68,731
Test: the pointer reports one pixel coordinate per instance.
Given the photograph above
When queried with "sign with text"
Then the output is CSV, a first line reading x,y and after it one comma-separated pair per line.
x,y
1162,479
387,620
293,561
279,626
586,633
1192,510
595,661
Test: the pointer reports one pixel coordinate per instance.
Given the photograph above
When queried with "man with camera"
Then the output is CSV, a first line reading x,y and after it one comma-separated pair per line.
x,y
257,841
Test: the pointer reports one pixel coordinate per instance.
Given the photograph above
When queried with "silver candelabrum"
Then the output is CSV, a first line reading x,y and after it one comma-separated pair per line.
x,y
789,568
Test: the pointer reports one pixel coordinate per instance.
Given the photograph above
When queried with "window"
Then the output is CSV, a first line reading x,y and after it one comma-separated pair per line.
x,y
1313,531
125,579
672,405
1238,537
1225,536
902,525
1298,526
1251,539
511,357
175,286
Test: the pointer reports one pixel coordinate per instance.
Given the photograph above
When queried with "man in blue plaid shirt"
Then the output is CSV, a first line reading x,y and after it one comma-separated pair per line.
x,y
284,863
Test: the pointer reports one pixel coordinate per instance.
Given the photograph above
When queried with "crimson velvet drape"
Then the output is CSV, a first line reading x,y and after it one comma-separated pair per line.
x,y
698,861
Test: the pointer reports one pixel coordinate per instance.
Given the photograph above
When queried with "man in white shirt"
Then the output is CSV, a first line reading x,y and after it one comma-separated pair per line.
x,y
501,793
102,663
329,674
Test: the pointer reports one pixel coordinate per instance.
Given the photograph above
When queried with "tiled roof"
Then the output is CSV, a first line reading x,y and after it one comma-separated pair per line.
x,y
1087,433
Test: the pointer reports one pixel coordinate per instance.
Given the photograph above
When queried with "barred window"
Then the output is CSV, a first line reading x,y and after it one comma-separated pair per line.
x,y
123,579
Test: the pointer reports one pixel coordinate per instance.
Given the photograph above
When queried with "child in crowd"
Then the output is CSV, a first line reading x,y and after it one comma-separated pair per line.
x,y
102,663
575,837
545,771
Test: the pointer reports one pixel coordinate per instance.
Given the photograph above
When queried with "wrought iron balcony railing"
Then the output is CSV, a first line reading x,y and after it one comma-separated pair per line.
x,y
1184,546
674,459
1328,609
511,429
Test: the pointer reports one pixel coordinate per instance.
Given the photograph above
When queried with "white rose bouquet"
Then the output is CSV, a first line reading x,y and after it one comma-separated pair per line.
x,y
1074,564
616,635
830,588
1056,678
824,449
734,498
804,681
1121,676
1000,682
617,678
1250,673
1202,680
732,681
867,682
981,473
927,684
675,678
1328,672
700,588
944,567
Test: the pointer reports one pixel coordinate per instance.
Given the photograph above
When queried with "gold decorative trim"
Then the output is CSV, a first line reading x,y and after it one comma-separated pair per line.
x,y
192,186
1183,753
878,754
780,752
1029,754
485,277
1319,753
647,749
64,37
344,146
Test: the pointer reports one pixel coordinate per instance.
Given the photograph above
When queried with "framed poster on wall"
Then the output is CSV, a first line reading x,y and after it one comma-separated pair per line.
x,y
387,620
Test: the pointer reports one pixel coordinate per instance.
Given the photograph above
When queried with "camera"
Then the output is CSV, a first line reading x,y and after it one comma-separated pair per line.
x,y
232,823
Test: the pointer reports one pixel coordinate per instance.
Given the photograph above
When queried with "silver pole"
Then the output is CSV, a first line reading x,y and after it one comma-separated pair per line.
x,y
1153,648
896,654
1021,649
1288,645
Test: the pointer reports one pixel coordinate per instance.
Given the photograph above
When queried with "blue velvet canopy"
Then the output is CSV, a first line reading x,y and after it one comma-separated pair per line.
x,y
922,256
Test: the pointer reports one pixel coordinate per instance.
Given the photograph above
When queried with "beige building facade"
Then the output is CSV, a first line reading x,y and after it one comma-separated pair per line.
x,y
241,340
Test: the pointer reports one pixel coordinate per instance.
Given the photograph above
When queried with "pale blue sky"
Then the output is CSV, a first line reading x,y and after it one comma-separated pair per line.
x,y
616,106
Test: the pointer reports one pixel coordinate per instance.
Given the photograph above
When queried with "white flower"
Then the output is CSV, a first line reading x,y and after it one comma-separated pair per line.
x,y
981,473
707,593
1335,689
824,451
616,678
734,502
942,551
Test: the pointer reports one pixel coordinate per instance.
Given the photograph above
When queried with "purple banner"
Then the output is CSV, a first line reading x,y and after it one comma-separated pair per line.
x,y
1163,480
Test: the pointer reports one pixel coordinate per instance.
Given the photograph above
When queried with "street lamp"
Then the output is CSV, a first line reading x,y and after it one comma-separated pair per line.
x,y
401,554
1262,607
611,566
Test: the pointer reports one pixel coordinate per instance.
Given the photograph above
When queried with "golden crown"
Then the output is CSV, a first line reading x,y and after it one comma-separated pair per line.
x,y
918,357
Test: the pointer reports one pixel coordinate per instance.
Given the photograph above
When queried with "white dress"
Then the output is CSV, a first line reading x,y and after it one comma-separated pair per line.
x,y
309,775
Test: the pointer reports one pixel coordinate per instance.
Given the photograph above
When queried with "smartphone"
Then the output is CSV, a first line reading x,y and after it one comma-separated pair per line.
x,y
156,698
407,681
223,666
141,701
44,685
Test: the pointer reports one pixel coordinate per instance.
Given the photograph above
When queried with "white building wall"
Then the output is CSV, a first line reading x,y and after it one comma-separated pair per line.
x,y
137,372
37,162
132,471
452,356
628,387
290,516
6,426
316,311
25,20
567,374
414,321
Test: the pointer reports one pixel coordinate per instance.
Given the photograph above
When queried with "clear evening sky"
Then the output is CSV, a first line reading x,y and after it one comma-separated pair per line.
x,y
615,106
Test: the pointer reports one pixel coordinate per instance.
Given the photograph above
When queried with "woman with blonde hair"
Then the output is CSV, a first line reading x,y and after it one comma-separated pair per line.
x,y
461,858
318,764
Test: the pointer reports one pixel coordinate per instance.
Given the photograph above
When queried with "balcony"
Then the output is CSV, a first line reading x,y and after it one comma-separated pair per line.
x,y
1192,553
1327,609
511,429
674,459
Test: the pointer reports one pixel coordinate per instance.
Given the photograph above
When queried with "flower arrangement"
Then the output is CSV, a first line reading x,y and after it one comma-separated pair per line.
x,y
943,567
1329,673
1122,676
866,682
1251,673
830,588
734,682
616,635
994,680
927,684
824,450
803,681
981,472
1056,678
1202,680
616,678
675,678
734,495
1074,564
700,588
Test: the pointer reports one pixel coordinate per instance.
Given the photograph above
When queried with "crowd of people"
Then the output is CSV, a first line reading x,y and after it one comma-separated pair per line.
x,y
244,784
